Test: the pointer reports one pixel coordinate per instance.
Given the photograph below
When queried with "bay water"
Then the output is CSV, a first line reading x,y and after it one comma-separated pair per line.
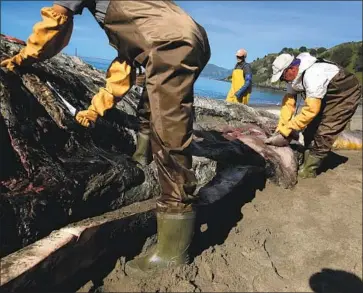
x,y
217,89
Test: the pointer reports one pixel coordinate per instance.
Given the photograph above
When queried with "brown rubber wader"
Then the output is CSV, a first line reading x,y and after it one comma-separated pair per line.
x,y
338,107
174,49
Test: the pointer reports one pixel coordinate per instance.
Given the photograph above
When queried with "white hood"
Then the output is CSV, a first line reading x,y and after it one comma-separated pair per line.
x,y
306,61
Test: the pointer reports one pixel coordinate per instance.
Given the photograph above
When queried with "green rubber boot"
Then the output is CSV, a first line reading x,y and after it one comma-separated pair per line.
x,y
175,233
310,165
142,154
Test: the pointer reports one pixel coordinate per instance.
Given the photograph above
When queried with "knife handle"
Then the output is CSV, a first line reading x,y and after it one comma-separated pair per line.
x,y
91,123
98,121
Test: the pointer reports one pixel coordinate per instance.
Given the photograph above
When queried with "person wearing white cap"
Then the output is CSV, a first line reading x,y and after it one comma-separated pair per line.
x,y
241,86
331,96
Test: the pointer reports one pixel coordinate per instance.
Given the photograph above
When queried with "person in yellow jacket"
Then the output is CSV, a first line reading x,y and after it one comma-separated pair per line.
x,y
241,86
331,96
173,49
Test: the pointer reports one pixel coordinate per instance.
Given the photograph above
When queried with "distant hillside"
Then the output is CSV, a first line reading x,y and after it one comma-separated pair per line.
x,y
215,72
348,55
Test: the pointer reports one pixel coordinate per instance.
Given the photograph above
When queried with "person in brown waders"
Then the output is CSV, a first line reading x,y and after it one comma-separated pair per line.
x,y
173,49
331,95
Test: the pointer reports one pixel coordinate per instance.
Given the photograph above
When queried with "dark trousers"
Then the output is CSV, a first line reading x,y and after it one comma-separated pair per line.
x,y
338,107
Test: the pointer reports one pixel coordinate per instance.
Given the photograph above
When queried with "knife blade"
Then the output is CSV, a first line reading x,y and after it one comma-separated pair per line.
x,y
74,111
71,109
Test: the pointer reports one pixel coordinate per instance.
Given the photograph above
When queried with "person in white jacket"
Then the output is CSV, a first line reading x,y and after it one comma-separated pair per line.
x,y
331,96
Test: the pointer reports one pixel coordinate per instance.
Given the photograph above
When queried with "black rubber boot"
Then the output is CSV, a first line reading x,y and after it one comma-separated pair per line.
x,y
175,233
310,165
142,154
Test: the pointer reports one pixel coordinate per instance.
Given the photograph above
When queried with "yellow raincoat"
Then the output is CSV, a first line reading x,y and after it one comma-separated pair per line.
x,y
241,84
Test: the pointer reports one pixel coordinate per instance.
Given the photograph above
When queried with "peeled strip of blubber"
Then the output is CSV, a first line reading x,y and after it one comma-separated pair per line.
x,y
347,141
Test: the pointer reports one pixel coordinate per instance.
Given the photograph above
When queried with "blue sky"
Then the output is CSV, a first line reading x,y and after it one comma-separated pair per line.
x,y
261,27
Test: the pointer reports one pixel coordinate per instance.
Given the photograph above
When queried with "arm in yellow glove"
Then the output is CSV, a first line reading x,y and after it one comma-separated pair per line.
x,y
49,37
308,113
287,110
118,81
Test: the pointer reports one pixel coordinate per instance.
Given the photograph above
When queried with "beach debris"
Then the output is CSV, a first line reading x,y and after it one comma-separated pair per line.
x,y
349,140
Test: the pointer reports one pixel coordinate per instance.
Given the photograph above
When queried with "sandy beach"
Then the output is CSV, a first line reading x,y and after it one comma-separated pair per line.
x,y
274,240
308,239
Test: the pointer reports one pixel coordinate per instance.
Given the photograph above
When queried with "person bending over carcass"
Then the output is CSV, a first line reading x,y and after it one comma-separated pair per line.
x,y
173,49
331,96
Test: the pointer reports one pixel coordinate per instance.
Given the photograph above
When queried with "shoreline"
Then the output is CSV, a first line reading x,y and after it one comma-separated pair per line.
x,y
256,85
274,109
282,90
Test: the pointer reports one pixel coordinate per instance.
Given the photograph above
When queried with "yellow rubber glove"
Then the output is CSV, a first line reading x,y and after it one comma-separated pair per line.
x,y
308,112
101,102
287,110
49,37
118,82
118,78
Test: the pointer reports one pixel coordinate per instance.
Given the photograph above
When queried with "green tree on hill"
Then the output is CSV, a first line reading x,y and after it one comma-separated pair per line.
x,y
303,49
269,70
288,51
313,52
342,55
321,50
359,61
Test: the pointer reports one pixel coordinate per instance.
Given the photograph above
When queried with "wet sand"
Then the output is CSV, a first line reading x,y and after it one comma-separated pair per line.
x,y
273,240
308,239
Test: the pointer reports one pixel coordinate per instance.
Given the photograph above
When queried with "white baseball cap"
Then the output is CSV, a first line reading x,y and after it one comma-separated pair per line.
x,y
241,53
279,65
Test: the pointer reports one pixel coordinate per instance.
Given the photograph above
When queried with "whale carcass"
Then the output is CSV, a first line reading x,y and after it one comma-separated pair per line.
x,y
54,171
